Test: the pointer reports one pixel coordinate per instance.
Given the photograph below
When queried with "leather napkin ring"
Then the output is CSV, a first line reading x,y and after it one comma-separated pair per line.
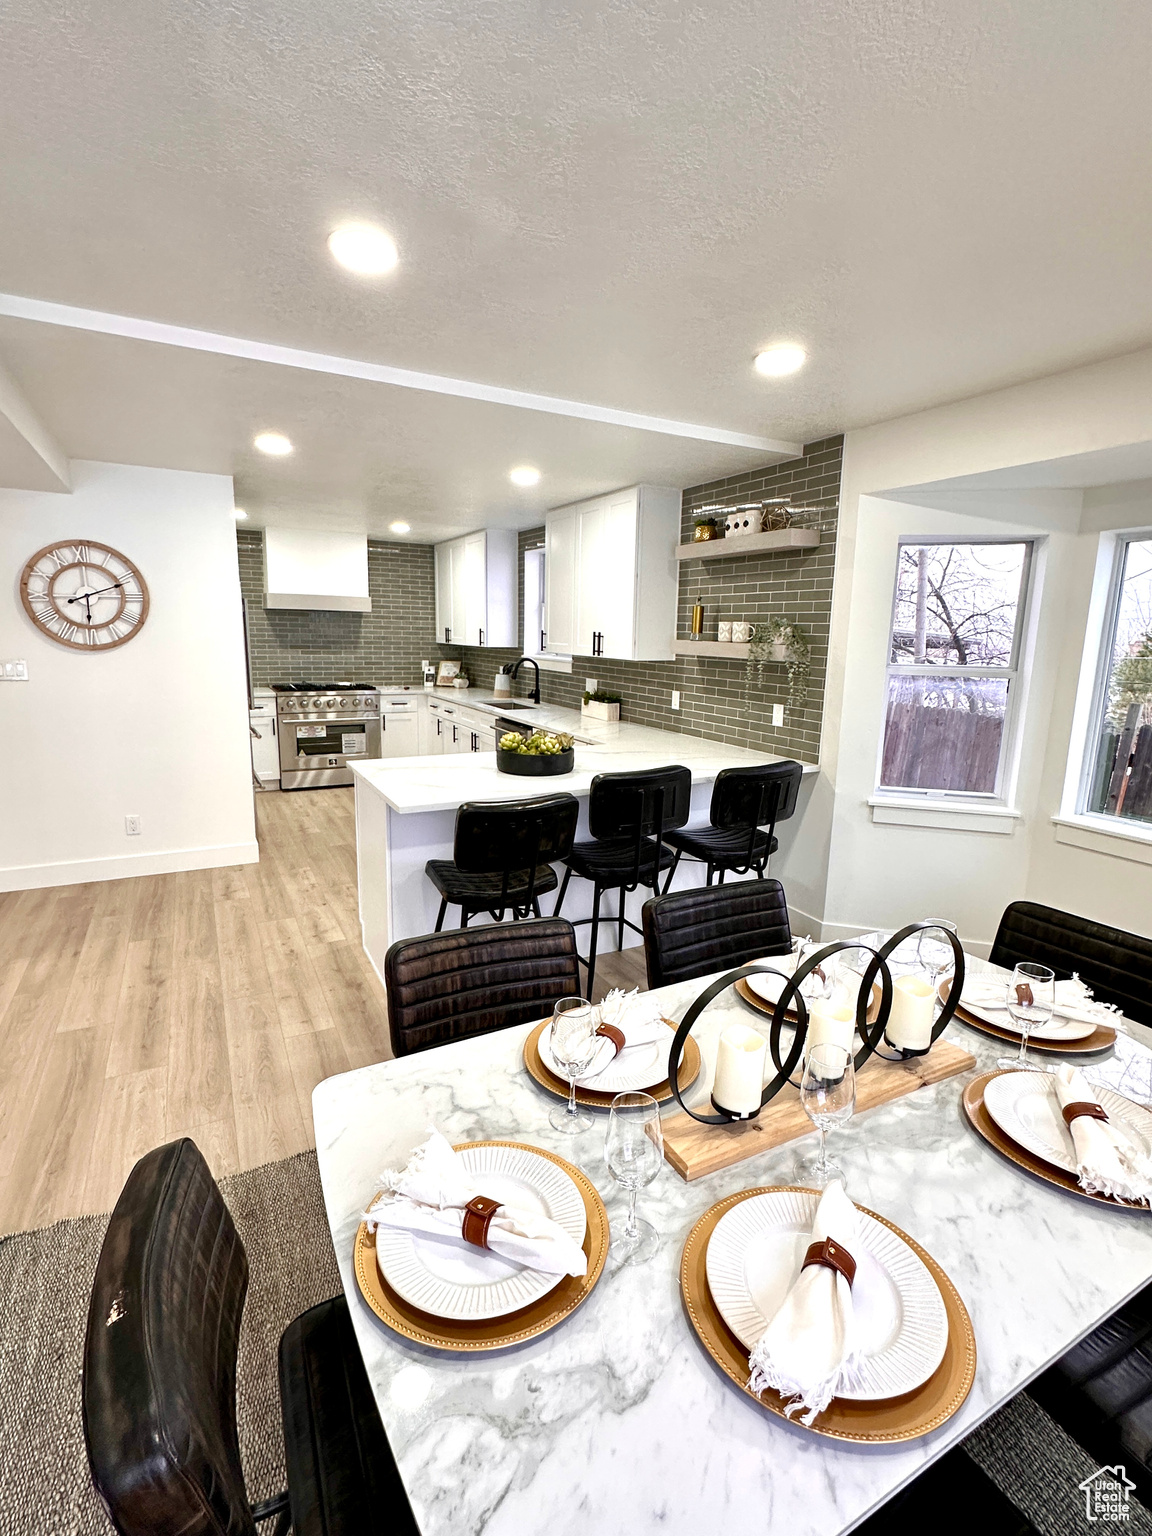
x,y
478,1214
1083,1107
833,1256
1024,998
610,1032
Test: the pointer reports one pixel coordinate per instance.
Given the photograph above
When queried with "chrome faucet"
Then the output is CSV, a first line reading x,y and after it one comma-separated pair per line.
x,y
531,662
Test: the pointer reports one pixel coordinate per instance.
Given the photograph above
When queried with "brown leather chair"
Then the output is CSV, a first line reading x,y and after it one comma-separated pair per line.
x,y
159,1383
1117,965
694,933
447,986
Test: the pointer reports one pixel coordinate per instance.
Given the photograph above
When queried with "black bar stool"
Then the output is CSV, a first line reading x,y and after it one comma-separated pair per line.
x,y
501,856
629,817
745,801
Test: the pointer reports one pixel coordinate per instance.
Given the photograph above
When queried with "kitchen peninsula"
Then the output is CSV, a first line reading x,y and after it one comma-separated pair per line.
x,y
406,809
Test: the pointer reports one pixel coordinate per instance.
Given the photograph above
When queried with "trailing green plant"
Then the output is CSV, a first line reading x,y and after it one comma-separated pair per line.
x,y
766,636
602,696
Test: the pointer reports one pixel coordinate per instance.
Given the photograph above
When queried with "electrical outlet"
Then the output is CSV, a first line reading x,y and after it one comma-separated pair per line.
x,y
132,826
14,671
675,698
590,685
777,714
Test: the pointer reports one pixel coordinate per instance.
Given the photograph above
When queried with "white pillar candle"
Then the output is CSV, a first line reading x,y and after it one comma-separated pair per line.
x,y
830,1023
913,1005
739,1080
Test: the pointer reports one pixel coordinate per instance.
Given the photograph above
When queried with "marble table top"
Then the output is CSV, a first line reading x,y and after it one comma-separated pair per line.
x,y
617,1422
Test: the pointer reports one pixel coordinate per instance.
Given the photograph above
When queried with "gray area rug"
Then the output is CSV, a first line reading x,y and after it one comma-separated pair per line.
x,y
45,1279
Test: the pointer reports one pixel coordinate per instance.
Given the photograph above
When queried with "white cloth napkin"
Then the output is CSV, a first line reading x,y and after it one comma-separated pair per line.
x,y
430,1194
1074,1000
809,1347
1108,1161
638,1019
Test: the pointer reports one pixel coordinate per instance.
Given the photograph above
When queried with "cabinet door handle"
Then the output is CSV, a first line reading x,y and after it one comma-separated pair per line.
x,y
439,727
481,637
383,724
541,639
447,634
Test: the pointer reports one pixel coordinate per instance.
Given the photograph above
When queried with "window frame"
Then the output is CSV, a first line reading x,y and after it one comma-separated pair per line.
x,y
1105,641
1014,674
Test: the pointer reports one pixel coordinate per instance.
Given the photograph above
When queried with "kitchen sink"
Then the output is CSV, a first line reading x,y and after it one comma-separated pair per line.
x,y
516,704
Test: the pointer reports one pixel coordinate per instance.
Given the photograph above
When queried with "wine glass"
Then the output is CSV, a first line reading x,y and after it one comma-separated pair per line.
x,y
1031,997
934,951
634,1151
573,1042
828,1094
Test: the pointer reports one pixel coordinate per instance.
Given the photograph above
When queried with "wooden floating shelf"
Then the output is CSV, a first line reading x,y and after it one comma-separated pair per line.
x,y
736,650
749,544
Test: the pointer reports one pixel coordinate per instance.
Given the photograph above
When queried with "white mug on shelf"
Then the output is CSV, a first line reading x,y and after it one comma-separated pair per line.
x,y
724,630
741,631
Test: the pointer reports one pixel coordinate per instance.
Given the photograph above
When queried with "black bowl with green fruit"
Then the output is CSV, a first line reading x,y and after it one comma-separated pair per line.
x,y
540,755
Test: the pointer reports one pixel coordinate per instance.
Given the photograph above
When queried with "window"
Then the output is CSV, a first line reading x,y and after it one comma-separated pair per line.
x,y
953,655
1118,767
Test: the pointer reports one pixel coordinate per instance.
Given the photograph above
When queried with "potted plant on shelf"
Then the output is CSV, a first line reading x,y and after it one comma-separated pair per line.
x,y
704,529
541,754
779,640
601,705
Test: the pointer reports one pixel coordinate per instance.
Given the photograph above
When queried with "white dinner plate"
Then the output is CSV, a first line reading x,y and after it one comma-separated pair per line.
x,y
1056,1028
767,986
755,1254
450,1278
636,1068
1025,1107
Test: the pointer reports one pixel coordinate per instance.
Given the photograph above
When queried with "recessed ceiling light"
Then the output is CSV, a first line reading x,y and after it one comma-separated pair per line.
x,y
524,474
363,249
778,361
400,527
274,443
240,515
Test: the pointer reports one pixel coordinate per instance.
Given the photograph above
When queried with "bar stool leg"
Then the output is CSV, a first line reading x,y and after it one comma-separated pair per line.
x,y
440,916
563,890
671,872
594,939
622,914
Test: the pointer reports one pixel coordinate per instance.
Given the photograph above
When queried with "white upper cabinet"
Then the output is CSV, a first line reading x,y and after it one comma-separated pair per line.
x,y
611,575
476,589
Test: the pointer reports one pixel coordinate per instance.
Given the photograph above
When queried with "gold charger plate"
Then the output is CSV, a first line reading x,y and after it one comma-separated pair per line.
x,y
1101,1038
983,1123
493,1332
893,1418
661,1092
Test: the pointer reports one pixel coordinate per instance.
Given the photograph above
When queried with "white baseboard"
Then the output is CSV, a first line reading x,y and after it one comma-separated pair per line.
x,y
32,877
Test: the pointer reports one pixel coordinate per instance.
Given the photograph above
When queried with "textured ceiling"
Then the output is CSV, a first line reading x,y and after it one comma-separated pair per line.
x,y
612,202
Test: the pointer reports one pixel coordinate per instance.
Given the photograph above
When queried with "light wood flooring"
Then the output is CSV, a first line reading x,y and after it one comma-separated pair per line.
x,y
206,1004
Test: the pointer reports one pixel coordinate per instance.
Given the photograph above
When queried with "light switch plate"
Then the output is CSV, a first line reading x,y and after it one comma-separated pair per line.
x,y
14,671
675,698
777,714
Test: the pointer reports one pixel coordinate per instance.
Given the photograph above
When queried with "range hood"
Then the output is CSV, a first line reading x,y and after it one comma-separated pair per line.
x,y
305,568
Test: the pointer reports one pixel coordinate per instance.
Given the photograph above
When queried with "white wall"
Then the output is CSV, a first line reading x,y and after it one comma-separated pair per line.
x,y
877,874
157,727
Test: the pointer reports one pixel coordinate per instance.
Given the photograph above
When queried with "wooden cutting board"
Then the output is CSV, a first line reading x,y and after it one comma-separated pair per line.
x,y
695,1150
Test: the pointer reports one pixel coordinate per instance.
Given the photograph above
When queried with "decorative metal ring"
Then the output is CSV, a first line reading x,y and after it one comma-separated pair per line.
x,y
948,1010
870,1035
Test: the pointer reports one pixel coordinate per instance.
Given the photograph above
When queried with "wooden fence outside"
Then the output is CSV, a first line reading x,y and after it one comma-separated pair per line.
x,y
940,746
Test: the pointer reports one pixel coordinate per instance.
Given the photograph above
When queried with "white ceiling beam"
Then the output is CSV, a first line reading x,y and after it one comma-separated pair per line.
x,y
30,457
48,313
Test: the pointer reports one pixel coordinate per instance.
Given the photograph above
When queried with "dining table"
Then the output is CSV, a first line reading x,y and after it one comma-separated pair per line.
x,y
617,1421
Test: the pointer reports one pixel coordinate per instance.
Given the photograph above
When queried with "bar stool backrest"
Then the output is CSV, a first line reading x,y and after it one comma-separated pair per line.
x,y
159,1385
754,797
645,804
514,834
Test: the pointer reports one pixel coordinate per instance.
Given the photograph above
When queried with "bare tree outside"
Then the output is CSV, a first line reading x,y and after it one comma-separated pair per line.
x,y
951,664
1120,780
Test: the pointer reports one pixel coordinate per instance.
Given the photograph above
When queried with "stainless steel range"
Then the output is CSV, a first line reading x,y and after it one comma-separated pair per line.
x,y
323,727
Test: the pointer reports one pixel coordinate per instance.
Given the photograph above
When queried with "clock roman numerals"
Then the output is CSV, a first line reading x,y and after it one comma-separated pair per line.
x,y
84,595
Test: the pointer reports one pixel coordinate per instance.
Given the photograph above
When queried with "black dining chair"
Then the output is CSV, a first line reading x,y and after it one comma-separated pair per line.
x,y
629,817
1117,965
502,857
693,933
740,837
159,1380
447,986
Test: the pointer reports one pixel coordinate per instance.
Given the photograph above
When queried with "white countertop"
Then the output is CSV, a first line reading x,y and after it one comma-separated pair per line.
x,y
616,1422
443,782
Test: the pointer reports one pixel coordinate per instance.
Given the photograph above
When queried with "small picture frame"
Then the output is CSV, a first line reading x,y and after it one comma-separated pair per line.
x,y
447,673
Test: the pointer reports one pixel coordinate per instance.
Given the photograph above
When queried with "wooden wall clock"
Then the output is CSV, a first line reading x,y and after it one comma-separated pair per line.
x,y
83,594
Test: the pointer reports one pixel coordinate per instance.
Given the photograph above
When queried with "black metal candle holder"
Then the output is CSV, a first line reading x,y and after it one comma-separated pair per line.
x,y
904,1053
